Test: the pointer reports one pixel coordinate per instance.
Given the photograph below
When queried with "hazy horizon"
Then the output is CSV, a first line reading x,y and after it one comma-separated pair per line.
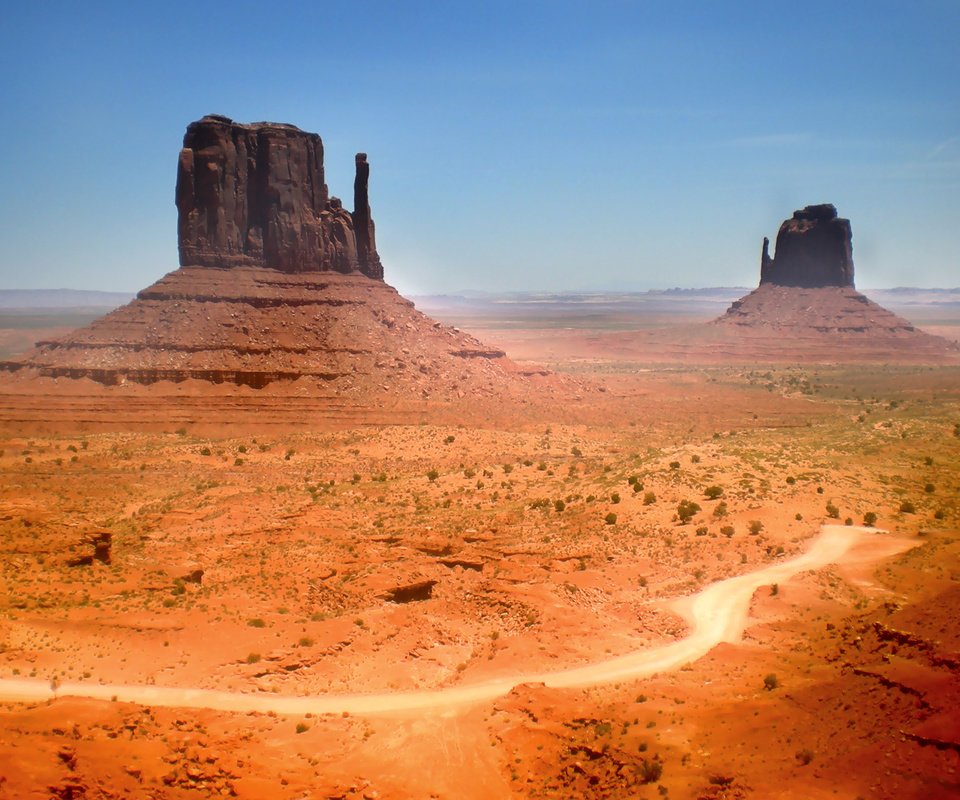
x,y
513,146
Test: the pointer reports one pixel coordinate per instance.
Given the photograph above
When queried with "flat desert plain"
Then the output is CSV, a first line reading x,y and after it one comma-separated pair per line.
x,y
690,581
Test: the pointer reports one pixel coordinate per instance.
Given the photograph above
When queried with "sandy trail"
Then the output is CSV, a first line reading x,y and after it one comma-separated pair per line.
x,y
716,614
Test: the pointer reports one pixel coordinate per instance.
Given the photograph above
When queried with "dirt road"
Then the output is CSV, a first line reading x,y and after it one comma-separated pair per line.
x,y
716,614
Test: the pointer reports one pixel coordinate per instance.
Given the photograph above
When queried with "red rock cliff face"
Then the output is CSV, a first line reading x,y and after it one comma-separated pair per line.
x,y
814,249
255,196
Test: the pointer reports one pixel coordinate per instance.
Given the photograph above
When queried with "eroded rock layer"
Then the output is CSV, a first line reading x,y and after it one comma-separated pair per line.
x,y
255,196
794,314
256,326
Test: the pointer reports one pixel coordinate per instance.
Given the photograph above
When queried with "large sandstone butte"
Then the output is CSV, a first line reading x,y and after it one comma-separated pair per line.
x,y
255,196
806,303
277,282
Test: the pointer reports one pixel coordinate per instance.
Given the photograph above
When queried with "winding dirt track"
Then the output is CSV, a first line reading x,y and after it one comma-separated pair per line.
x,y
717,614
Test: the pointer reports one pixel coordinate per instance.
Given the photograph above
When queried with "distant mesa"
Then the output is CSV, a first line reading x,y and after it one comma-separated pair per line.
x,y
277,282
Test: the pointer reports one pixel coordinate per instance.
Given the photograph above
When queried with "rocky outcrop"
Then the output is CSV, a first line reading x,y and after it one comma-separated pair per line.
x,y
814,249
255,196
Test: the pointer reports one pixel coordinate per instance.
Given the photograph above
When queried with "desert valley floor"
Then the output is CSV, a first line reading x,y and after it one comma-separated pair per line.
x,y
230,541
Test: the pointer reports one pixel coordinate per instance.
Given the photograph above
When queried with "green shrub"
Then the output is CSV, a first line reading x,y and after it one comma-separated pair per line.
x,y
302,727
771,682
256,622
559,505
755,526
687,510
610,519
615,498
713,492
432,475
253,658
832,511
727,530
906,507
720,510
649,499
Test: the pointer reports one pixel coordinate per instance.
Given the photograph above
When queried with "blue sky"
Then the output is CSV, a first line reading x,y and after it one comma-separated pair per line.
x,y
514,145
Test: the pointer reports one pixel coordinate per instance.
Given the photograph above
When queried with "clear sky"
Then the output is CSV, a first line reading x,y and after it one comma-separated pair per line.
x,y
514,145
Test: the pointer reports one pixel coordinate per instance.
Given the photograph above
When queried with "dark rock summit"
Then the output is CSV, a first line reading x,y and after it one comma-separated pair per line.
x,y
254,196
814,248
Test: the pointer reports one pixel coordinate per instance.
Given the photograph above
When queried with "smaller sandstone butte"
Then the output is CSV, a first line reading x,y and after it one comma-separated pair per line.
x,y
806,304
255,196
814,248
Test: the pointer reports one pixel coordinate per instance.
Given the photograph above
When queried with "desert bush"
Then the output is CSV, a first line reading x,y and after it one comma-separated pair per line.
x,y
929,488
848,521
432,475
713,492
650,770
253,658
242,448
256,622
649,499
238,462
610,519
694,459
906,507
720,510
687,510
702,530
576,452
938,514
771,682
633,480
449,440
302,727
804,756
674,465
791,480
615,498
774,589
559,505
204,451
507,469
727,530
755,526
833,511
